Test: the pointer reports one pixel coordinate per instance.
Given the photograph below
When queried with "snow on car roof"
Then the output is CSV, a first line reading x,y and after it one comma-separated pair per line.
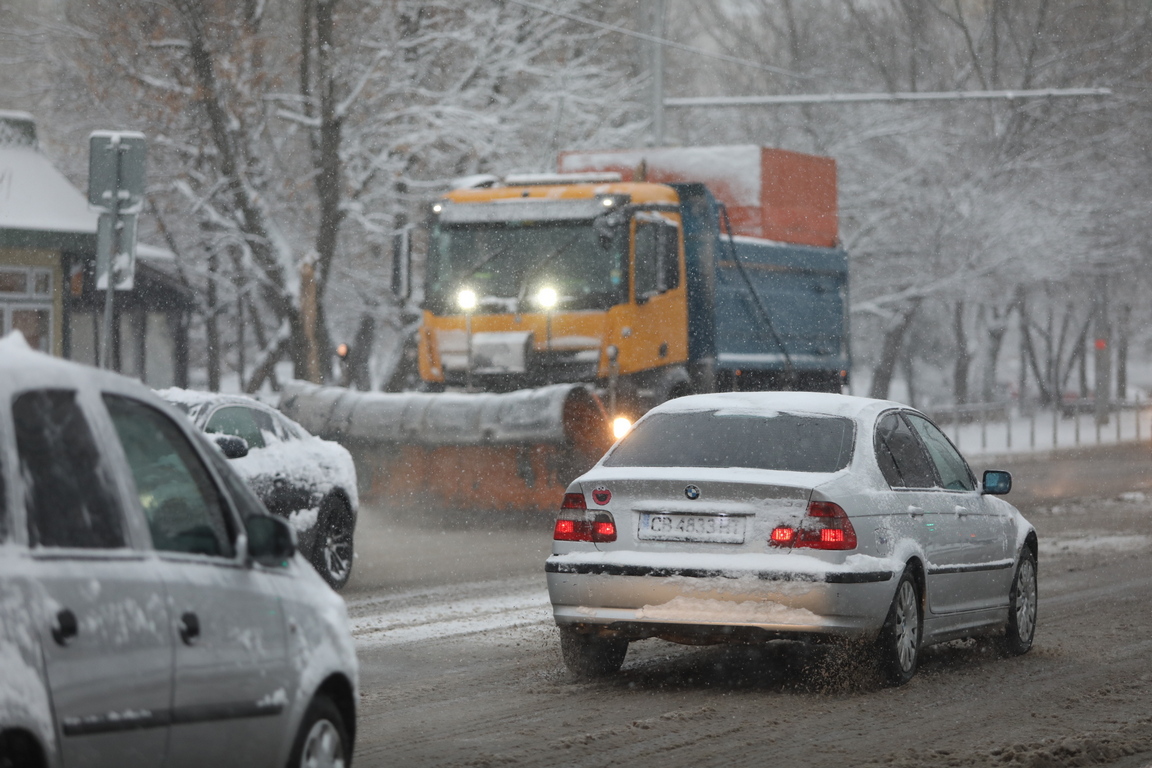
x,y
17,355
767,403
21,366
188,397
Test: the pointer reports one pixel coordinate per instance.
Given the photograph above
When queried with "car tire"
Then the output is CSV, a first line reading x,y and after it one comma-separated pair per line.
x,y
588,656
333,551
1022,604
897,648
322,739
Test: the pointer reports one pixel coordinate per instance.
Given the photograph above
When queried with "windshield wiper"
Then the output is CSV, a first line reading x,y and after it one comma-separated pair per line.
x,y
483,263
538,264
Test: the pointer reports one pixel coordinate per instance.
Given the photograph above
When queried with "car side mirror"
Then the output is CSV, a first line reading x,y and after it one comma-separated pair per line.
x,y
997,482
231,446
271,541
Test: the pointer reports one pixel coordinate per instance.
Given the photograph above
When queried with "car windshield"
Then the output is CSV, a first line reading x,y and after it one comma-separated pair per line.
x,y
511,260
782,441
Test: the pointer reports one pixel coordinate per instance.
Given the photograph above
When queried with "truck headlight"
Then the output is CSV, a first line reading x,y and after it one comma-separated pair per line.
x,y
466,299
547,298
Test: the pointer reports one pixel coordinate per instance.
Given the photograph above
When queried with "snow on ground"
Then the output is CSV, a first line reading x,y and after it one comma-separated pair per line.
x,y
446,612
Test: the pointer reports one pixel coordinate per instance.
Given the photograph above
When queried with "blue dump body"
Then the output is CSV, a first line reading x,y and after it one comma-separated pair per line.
x,y
771,314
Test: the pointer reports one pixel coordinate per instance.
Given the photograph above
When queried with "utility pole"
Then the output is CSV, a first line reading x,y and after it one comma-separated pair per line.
x,y
659,11
1101,344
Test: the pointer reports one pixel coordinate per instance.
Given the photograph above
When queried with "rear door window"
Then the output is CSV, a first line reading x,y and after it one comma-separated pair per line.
x,y
183,506
783,441
951,468
901,456
68,487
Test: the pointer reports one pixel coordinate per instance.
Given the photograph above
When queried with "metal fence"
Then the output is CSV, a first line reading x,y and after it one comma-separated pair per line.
x,y
995,428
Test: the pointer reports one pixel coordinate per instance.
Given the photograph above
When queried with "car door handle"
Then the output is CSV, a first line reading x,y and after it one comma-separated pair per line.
x,y
189,628
66,627
962,511
915,511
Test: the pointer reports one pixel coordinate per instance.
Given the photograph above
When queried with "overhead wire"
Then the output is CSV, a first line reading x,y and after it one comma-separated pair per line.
x,y
660,40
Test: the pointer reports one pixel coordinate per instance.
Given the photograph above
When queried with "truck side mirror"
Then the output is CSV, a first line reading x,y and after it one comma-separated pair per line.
x,y
606,228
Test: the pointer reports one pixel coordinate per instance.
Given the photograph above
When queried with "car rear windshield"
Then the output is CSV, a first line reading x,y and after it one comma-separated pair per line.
x,y
782,441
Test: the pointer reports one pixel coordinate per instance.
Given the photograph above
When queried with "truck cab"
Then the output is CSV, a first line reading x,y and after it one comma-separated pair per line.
x,y
549,279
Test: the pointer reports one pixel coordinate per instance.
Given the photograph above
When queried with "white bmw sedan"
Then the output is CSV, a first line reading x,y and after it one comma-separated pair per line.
x,y
746,517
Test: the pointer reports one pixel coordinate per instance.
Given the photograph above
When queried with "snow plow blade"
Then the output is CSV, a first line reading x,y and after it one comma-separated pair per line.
x,y
459,451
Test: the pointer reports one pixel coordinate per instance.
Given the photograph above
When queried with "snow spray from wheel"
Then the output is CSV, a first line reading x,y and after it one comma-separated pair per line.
x,y
418,451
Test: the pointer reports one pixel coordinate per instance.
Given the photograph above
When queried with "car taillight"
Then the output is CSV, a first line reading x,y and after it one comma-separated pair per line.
x,y
573,501
826,526
576,523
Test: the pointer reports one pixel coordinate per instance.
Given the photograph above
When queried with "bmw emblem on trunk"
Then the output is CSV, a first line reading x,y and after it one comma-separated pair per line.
x,y
692,492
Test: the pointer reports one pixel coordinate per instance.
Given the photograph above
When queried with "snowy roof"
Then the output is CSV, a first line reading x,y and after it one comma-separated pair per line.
x,y
34,195
39,207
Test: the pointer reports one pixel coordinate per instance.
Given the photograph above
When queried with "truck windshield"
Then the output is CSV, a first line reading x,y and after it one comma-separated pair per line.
x,y
506,261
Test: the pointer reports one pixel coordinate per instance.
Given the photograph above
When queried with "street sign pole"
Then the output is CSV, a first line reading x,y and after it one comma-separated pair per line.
x,y
116,190
113,254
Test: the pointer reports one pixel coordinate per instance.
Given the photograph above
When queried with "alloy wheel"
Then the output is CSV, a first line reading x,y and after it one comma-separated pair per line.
x,y
1026,599
323,747
907,626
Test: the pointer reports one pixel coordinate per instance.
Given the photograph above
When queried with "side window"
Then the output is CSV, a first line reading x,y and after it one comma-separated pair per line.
x,y
901,457
183,506
646,259
657,258
239,421
950,466
264,423
668,248
287,429
68,488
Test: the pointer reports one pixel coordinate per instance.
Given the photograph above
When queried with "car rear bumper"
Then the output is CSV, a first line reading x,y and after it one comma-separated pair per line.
x,y
645,599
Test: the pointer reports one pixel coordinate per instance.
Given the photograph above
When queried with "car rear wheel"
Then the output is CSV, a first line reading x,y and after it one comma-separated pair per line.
x,y
1022,606
322,741
332,555
589,656
898,646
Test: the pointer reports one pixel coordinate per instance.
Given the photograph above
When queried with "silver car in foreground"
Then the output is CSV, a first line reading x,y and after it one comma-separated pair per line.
x,y
152,613
747,517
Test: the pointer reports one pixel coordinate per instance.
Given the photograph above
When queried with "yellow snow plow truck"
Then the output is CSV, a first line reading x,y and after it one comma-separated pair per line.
x,y
558,308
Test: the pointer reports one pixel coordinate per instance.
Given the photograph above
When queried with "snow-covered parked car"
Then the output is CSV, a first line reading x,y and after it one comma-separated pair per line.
x,y
746,517
308,481
152,613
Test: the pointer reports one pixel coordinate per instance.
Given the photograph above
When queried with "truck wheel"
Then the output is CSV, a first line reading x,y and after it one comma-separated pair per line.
x,y
588,656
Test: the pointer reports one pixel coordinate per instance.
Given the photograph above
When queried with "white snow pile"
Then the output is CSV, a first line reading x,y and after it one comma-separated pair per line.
x,y
321,465
304,519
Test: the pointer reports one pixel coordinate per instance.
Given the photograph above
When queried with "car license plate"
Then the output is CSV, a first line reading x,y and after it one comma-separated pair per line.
x,y
655,526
